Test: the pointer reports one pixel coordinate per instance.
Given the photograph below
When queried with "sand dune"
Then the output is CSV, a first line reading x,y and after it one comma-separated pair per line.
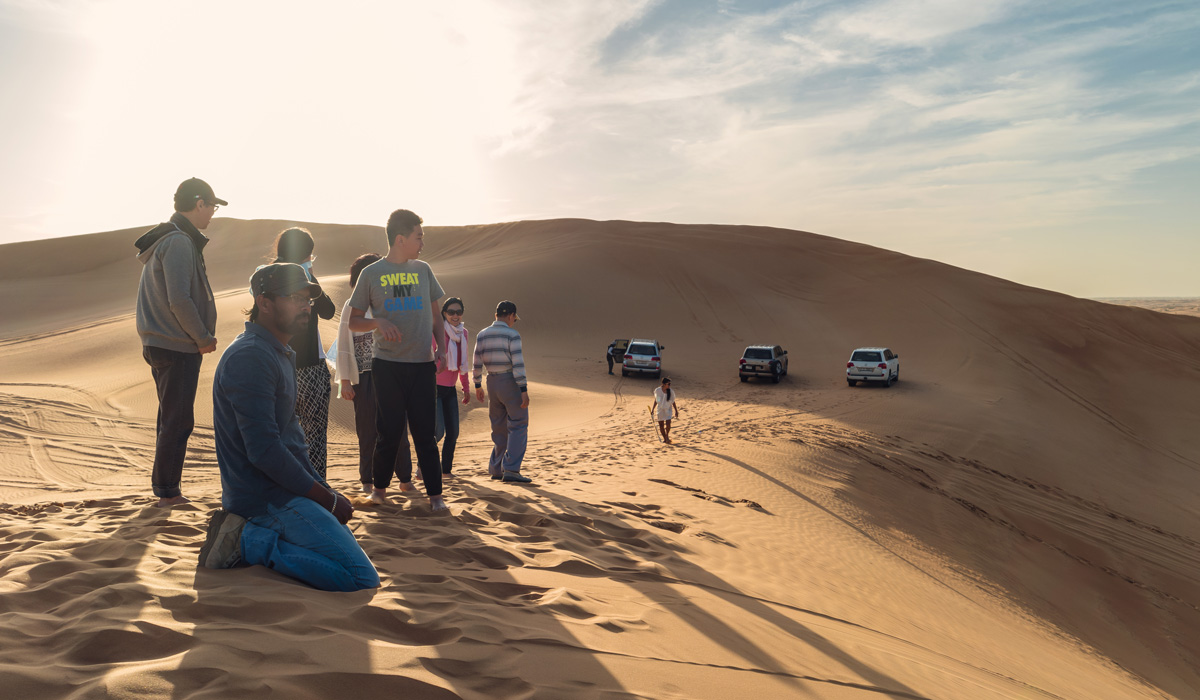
x,y
1014,519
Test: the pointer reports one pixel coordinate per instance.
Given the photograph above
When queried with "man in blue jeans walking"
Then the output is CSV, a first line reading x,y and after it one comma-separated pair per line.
x,y
278,511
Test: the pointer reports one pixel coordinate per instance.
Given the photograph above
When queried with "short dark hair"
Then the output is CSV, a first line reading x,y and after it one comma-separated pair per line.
x,y
359,264
453,300
252,312
293,245
402,222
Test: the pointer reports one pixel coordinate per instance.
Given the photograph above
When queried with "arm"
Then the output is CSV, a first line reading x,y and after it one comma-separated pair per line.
x,y
324,307
359,323
477,370
346,366
179,266
439,334
518,364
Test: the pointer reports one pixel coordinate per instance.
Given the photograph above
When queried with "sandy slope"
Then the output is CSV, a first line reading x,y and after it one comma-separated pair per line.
x,y
1015,518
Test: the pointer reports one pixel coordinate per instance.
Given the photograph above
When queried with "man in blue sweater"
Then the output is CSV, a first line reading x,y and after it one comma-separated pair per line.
x,y
278,511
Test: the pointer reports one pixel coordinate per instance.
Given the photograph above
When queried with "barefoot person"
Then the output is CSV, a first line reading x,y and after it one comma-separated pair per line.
x,y
353,367
176,319
665,408
277,510
295,245
455,372
498,348
402,294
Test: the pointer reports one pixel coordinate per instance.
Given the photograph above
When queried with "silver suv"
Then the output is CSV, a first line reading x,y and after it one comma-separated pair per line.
x,y
763,361
643,357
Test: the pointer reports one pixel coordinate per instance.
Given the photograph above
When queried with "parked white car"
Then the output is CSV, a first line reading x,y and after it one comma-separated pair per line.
x,y
642,357
873,365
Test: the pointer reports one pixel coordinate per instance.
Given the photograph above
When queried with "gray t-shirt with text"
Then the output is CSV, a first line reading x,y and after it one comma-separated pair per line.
x,y
402,294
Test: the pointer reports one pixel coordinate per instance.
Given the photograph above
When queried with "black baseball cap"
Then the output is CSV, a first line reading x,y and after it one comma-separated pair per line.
x,y
505,308
195,189
282,279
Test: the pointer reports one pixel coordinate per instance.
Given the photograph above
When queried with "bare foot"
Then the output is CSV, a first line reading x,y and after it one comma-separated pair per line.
x,y
437,504
367,488
173,501
379,496
408,486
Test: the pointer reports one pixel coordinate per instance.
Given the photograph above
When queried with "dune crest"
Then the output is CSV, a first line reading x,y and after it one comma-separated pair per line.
x,y
1015,518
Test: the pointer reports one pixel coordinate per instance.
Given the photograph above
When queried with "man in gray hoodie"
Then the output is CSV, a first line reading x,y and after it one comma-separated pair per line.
x,y
177,319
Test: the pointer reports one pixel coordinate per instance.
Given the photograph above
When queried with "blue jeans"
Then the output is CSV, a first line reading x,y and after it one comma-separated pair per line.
x,y
447,424
302,540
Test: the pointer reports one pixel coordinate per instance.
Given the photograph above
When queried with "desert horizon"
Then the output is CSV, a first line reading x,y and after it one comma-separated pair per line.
x,y
1013,518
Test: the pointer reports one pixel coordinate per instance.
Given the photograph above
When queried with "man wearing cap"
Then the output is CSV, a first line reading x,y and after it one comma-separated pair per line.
x,y
498,347
176,319
277,509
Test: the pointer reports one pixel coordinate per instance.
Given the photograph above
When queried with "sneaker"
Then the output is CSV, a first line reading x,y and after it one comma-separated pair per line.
x,y
515,478
223,546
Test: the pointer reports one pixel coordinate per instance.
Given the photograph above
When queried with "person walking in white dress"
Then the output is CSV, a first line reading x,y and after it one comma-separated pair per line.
x,y
665,408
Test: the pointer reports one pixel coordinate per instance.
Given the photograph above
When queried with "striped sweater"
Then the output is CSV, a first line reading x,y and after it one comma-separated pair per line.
x,y
498,347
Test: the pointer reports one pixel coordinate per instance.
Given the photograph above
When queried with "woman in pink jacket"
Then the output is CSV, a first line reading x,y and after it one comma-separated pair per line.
x,y
453,371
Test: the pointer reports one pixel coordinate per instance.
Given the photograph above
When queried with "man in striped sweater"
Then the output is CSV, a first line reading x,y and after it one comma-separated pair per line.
x,y
498,347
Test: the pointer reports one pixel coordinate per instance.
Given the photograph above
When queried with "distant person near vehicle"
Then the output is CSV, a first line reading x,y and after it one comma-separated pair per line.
x,y
295,245
454,372
177,321
665,408
402,293
612,348
498,348
353,367
277,510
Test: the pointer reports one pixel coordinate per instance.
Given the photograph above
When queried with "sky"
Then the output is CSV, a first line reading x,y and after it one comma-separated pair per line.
x,y
1055,144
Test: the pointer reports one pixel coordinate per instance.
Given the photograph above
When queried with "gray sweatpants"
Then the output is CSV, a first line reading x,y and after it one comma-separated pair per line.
x,y
510,424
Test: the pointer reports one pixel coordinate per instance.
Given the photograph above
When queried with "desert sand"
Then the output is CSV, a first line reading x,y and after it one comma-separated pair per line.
x,y
1016,518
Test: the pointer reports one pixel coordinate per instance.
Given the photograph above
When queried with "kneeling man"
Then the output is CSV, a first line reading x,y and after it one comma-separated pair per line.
x,y
278,511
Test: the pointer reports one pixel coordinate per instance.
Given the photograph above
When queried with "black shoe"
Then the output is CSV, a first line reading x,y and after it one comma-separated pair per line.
x,y
496,477
223,545
515,478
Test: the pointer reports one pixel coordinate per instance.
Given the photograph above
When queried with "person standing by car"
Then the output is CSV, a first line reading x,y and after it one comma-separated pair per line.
x,y
612,350
177,321
295,245
665,408
498,347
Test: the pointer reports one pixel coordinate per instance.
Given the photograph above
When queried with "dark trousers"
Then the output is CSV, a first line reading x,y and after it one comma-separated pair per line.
x,y
176,375
447,424
610,363
405,393
364,426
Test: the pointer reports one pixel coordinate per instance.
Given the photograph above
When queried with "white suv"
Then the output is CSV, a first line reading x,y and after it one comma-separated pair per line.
x,y
873,365
642,357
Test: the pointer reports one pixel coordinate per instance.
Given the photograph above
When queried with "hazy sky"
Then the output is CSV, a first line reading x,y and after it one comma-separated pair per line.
x,y
1052,143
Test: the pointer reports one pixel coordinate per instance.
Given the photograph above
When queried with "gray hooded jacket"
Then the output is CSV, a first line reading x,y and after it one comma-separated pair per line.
x,y
175,307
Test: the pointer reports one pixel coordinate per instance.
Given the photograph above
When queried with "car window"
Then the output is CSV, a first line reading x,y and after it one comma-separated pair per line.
x,y
622,344
640,349
888,354
865,356
757,354
778,350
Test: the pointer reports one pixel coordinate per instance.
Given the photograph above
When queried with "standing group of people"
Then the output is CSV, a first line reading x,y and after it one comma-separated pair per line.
x,y
400,356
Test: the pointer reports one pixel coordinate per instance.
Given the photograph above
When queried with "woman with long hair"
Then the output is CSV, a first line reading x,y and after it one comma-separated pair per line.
x,y
665,408
295,245
454,371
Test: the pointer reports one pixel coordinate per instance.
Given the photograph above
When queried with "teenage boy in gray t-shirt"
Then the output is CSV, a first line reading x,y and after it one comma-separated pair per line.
x,y
402,295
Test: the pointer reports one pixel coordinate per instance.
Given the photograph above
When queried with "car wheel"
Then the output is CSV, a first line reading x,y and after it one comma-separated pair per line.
x,y
887,382
658,374
851,382
624,373
744,378
897,377
775,376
